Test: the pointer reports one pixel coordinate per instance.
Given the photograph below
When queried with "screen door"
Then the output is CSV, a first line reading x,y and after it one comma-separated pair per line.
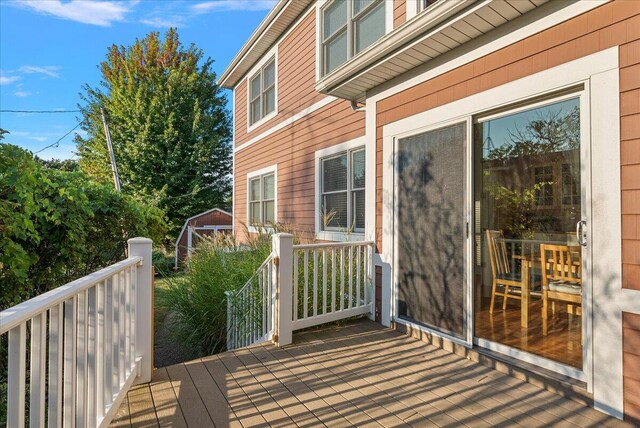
x,y
430,229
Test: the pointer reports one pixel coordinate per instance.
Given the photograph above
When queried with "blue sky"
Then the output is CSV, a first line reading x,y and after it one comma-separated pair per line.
x,y
50,48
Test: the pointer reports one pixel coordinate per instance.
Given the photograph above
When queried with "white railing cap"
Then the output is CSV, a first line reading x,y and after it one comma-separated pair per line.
x,y
15,315
139,240
333,244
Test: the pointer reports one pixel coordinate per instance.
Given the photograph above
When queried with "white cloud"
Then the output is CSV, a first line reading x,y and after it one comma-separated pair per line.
x,y
38,139
232,5
159,22
22,94
7,80
48,70
102,13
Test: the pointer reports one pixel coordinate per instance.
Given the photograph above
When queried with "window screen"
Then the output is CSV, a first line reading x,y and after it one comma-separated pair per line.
x,y
262,92
262,195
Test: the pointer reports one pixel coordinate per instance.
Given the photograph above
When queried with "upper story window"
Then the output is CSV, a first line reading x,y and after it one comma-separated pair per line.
x,y
262,199
423,4
342,194
349,27
262,92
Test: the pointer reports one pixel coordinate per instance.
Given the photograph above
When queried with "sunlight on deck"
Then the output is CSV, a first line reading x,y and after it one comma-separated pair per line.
x,y
358,374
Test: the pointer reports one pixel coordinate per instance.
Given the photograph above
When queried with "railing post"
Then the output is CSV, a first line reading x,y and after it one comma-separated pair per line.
x,y
282,245
141,247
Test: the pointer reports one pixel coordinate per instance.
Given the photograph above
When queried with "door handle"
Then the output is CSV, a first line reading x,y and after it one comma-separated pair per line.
x,y
581,232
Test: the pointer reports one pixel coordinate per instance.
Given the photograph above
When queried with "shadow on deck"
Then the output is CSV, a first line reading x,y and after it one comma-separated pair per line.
x,y
357,374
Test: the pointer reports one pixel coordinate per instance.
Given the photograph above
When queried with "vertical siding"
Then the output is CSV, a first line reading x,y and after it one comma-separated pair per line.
x,y
631,366
399,12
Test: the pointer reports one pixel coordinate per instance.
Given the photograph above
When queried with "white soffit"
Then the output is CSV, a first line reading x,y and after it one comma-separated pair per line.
x,y
423,38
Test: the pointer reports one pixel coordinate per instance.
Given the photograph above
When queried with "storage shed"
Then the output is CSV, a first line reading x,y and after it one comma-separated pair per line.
x,y
207,223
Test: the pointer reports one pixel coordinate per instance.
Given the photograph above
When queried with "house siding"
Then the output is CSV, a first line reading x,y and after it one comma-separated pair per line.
x,y
631,366
296,78
293,149
399,12
613,24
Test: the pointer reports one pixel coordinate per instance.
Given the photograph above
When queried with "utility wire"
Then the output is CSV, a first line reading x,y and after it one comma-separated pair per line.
x,y
60,139
39,111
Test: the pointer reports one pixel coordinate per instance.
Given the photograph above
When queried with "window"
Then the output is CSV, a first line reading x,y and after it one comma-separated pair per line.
x,y
570,185
544,184
262,92
342,196
424,4
349,27
262,199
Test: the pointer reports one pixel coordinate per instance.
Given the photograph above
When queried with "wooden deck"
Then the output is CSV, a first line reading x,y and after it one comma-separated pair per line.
x,y
359,374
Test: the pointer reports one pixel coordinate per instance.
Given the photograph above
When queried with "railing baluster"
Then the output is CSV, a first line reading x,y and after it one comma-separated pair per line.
x,y
127,322
324,281
115,337
134,303
107,389
341,278
70,360
306,284
358,269
333,280
92,306
99,352
295,285
16,380
315,283
56,351
81,362
122,370
37,370
350,277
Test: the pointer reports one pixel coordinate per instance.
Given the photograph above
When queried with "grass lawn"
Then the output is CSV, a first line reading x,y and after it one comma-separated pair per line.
x,y
161,284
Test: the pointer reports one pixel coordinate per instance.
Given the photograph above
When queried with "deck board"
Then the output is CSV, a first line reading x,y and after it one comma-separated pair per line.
x,y
356,374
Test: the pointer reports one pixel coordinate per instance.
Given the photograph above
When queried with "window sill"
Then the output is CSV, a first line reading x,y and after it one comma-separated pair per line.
x,y
326,235
262,121
259,229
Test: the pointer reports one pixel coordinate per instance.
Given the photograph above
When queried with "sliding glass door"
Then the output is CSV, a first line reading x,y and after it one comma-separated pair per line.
x,y
528,203
430,229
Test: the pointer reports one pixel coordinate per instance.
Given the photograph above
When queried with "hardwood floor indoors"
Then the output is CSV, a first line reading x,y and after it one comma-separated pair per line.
x,y
563,342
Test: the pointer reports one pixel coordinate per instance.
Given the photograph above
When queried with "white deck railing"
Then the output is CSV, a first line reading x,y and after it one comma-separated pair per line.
x,y
301,286
331,281
89,340
250,309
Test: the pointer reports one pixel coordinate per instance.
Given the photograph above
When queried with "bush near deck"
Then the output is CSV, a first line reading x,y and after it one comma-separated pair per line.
x,y
57,226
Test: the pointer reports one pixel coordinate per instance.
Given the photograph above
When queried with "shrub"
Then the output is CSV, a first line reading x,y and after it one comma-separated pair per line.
x,y
198,300
56,226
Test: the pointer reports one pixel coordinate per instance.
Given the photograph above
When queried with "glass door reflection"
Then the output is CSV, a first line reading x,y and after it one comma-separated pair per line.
x,y
527,201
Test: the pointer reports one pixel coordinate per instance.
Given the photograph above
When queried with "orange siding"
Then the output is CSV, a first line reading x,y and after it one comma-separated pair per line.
x,y
614,24
399,12
296,73
631,366
293,150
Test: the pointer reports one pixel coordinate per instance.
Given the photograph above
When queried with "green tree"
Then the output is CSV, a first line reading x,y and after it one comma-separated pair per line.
x,y
168,122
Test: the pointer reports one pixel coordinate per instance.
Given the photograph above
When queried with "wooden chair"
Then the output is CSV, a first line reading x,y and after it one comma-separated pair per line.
x,y
561,278
501,271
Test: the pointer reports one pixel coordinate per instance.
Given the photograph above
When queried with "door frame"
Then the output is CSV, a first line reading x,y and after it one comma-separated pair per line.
x,y
580,71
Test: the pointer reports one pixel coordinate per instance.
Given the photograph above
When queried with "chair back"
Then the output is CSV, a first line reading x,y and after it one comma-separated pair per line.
x,y
497,253
561,263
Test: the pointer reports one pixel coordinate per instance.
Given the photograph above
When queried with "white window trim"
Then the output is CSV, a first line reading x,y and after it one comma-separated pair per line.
x,y
266,58
267,170
331,235
412,8
320,6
